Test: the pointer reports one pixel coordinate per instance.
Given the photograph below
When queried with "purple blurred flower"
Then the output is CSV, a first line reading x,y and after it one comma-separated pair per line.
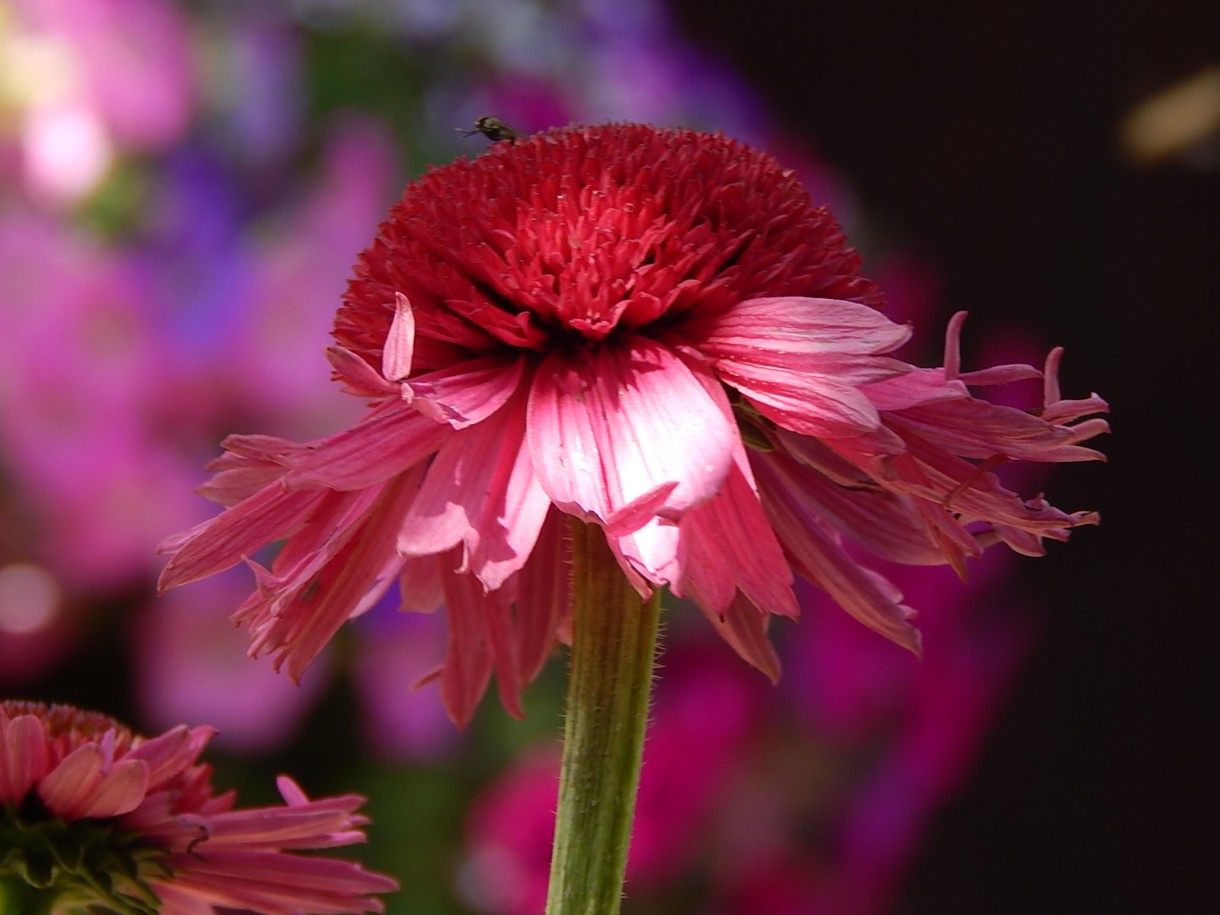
x,y
398,652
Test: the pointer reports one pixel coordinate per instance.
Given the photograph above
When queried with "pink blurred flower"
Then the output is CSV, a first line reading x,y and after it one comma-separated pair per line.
x,y
94,78
654,331
95,471
298,266
136,826
189,665
511,823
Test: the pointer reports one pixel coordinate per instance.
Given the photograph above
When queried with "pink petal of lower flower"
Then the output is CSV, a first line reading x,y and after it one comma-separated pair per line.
x,y
169,753
80,787
23,756
621,422
270,882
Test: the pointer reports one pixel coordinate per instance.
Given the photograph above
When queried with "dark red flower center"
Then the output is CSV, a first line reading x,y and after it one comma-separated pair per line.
x,y
571,235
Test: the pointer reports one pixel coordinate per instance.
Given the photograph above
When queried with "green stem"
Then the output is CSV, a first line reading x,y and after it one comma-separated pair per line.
x,y
614,639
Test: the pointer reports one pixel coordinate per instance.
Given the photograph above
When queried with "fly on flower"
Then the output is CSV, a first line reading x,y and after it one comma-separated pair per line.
x,y
492,128
653,331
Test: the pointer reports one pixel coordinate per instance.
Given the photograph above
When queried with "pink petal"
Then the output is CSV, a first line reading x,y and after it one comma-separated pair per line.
x,y
877,519
23,756
811,404
168,754
816,555
419,585
744,627
469,392
649,555
543,595
974,428
468,660
726,544
85,784
393,438
120,791
358,376
250,462
399,342
779,331
622,422
237,532
481,490
348,578
915,387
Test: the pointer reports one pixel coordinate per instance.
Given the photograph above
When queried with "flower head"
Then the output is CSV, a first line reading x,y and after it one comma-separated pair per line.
x,y
654,331
98,815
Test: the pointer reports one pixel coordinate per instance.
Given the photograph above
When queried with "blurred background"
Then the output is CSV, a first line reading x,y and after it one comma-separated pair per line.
x,y
183,189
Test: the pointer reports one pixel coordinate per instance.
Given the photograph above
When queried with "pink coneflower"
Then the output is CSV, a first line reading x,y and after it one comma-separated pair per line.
x,y
653,331
98,816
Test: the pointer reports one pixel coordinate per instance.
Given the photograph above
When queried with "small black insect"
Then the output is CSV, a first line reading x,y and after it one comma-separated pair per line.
x,y
492,128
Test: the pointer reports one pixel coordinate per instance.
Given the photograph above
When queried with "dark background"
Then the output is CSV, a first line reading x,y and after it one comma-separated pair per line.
x,y
987,135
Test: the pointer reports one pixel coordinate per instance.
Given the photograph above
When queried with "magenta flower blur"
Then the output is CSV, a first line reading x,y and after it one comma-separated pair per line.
x,y
102,817
654,331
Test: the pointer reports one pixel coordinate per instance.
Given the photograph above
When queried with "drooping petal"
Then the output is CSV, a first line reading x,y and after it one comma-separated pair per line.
x,y
480,490
543,595
727,544
237,532
621,422
744,627
468,660
648,555
419,585
820,405
359,567
974,428
393,438
878,519
818,557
